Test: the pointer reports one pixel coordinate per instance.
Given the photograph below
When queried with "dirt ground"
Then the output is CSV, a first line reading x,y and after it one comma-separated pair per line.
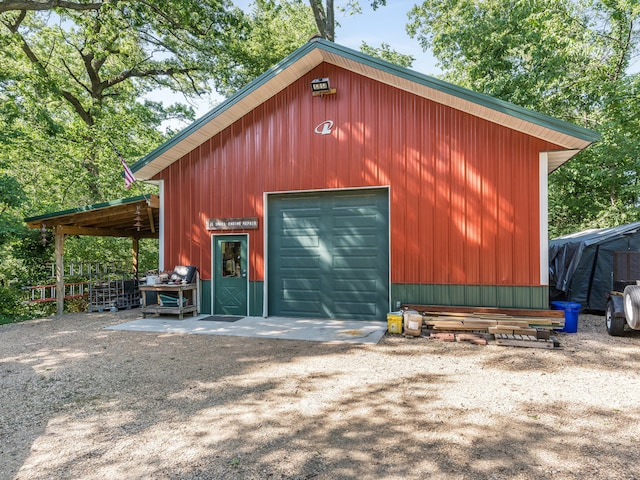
x,y
82,402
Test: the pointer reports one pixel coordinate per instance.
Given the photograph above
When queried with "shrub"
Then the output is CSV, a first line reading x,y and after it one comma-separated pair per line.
x,y
11,307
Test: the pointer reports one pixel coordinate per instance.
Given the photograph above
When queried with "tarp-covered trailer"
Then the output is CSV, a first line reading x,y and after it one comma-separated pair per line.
x,y
581,265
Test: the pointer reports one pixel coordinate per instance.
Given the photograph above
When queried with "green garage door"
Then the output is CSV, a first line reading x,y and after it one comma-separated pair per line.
x,y
329,255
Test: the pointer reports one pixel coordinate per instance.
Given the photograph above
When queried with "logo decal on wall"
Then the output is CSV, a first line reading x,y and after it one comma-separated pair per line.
x,y
324,128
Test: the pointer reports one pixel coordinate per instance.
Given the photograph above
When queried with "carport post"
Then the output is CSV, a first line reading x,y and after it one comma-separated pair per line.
x,y
59,251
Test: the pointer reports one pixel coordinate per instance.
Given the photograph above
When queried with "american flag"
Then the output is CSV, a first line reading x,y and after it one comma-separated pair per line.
x,y
128,174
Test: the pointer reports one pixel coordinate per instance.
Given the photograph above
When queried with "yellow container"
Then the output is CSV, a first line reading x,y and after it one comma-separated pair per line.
x,y
394,322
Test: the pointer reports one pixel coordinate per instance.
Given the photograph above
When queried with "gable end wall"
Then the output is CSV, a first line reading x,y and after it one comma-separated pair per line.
x,y
464,191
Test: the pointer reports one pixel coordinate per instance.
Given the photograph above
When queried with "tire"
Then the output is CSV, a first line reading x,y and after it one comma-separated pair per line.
x,y
632,305
615,325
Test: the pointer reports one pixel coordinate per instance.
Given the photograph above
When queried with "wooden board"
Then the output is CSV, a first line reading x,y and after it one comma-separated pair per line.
x,y
472,321
515,312
505,329
474,338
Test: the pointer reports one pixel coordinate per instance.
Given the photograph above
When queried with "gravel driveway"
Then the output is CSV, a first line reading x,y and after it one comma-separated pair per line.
x,y
82,402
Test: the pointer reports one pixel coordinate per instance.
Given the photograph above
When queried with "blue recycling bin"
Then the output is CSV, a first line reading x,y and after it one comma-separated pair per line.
x,y
571,312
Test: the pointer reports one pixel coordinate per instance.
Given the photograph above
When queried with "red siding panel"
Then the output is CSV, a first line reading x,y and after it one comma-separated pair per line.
x,y
464,192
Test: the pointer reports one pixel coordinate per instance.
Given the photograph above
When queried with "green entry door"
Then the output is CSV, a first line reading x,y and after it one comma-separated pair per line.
x,y
230,280
329,255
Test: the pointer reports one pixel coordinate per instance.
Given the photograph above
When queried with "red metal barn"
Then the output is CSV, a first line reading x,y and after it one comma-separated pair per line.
x,y
390,187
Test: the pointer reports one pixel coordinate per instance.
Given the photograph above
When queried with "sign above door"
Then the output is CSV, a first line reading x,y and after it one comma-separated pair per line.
x,y
247,223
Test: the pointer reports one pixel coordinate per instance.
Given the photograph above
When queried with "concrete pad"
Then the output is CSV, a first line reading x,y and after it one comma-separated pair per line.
x,y
313,330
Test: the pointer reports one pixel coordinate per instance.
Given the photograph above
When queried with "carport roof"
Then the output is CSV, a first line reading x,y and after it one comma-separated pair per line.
x,y
570,137
116,218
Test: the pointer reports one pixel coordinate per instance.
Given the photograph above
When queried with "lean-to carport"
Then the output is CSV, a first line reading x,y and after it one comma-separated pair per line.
x,y
135,217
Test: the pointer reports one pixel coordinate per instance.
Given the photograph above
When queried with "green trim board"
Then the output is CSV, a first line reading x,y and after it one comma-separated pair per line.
x,y
256,299
205,296
317,51
459,295
532,297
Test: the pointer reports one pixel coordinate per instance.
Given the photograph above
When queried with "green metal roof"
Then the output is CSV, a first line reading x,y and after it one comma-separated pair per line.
x,y
570,136
86,208
137,217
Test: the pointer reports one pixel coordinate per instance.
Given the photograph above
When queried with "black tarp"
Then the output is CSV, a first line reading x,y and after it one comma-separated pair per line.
x,y
581,264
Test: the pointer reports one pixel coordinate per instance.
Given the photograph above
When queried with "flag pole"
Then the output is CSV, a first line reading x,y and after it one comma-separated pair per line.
x,y
129,177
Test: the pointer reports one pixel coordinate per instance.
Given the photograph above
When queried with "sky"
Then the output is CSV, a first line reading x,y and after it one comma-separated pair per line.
x,y
385,25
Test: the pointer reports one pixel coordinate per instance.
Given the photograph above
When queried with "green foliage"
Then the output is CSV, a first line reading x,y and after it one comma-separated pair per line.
x,y
11,197
386,53
261,49
565,59
11,309
601,188
353,7
529,52
11,193
74,81
70,84
24,258
109,249
76,305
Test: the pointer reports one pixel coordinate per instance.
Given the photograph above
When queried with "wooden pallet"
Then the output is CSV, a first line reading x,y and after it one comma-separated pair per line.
x,y
527,341
502,339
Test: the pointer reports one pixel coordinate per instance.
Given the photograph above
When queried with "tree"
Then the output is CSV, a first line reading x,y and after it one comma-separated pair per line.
x,y
11,197
147,44
83,72
566,59
325,14
261,48
72,80
325,18
386,53
9,5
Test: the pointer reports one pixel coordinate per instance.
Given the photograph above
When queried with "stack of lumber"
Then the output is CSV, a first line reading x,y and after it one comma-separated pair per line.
x,y
490,323
516,327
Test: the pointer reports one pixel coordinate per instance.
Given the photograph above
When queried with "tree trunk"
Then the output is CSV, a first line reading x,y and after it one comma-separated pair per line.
x,y
325,18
